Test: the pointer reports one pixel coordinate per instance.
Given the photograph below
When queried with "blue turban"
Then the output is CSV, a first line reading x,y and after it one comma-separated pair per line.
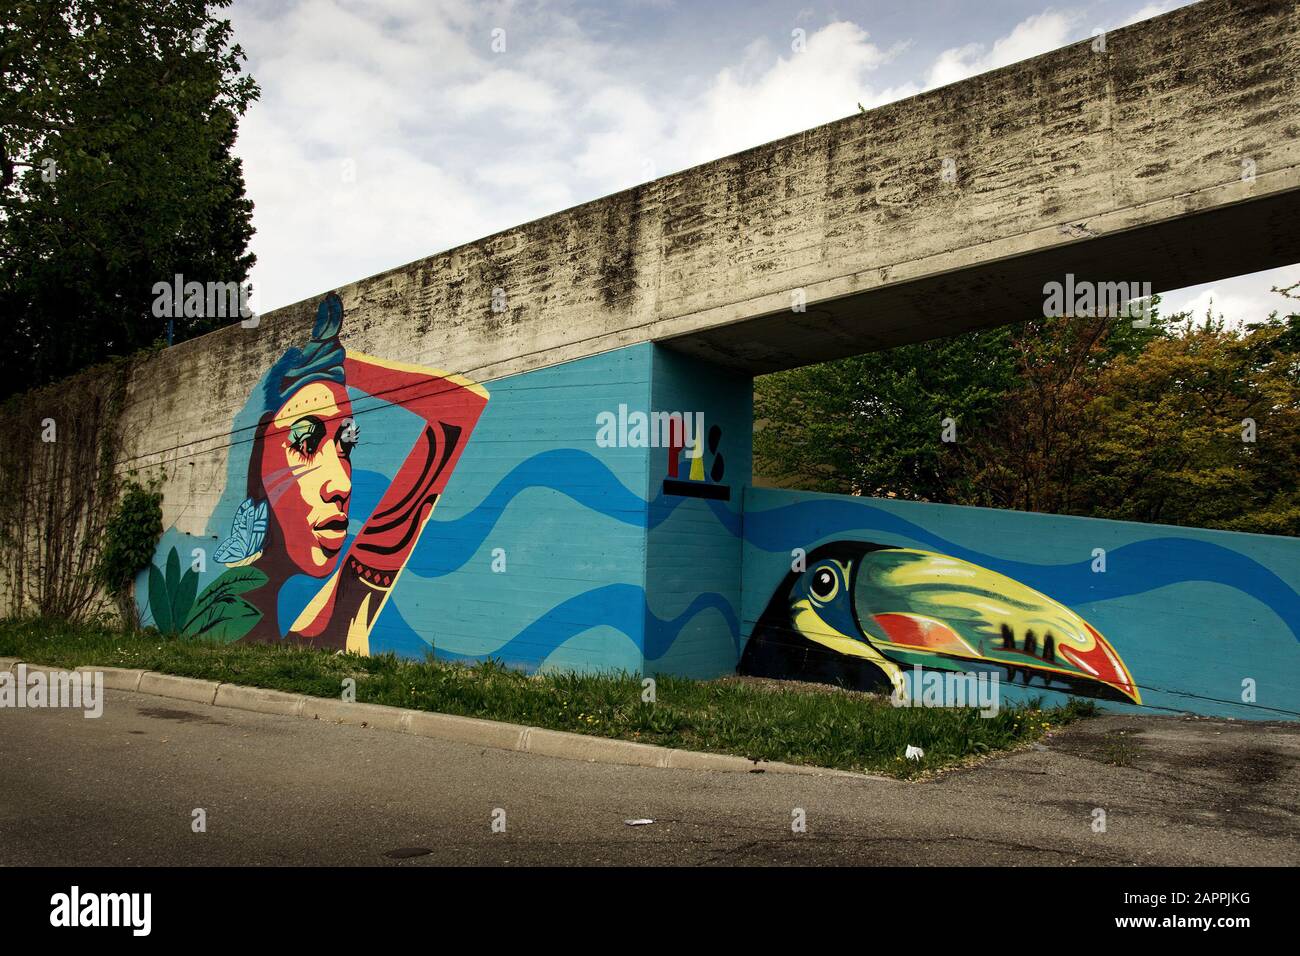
x,y
320,361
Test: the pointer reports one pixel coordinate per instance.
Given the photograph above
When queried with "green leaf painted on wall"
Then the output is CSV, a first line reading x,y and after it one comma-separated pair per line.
x,y
171,594
220,614
173,577
226,621
183,599
159,600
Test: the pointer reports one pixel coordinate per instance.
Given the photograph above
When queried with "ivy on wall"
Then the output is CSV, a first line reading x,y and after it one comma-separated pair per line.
x,y
130,536
58,493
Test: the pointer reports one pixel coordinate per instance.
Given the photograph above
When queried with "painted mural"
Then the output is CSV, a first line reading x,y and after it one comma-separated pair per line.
x,y
554,547
863,614
1171,619
295,519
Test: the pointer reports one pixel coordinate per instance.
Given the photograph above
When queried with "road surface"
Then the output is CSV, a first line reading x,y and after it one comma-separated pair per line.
x,y
122,790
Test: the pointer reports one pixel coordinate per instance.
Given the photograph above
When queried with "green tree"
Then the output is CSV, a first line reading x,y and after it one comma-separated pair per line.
x,y
1031,453
117,119
1174,422
873,424
1203,429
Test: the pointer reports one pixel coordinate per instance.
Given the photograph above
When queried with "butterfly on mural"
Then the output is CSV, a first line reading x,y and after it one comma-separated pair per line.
x,y
247,532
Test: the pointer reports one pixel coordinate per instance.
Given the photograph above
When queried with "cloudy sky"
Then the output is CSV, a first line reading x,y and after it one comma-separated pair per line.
x,y
389,130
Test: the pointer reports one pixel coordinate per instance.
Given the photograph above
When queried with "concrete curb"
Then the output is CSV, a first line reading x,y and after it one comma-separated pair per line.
x,y
116,678
259,700
423,723
182,688
376,716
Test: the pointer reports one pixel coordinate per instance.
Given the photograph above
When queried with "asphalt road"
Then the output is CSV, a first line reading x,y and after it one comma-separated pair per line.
x,y
121,790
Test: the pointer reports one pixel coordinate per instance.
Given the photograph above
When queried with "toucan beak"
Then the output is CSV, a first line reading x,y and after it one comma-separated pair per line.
x,y
918,607
1104,664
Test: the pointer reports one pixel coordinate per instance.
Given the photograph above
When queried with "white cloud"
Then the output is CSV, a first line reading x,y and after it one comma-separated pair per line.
x,y
750,105
449,141
1239,300
1037,34
446,141
1153,10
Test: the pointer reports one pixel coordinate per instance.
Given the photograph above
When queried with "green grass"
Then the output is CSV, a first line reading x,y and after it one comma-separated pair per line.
x,y
1118,752
847,731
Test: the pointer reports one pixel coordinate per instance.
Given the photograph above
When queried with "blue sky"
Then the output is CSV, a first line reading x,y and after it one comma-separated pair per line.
x,y
389,130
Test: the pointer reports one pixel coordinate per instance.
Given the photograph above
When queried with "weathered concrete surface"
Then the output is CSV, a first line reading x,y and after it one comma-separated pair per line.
x,y
1123,165
283,791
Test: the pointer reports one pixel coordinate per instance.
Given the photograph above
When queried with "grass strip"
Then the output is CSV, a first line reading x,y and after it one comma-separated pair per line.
x,y
839,729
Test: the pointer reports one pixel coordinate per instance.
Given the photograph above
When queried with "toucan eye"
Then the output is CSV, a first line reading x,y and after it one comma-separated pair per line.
x,y
825,583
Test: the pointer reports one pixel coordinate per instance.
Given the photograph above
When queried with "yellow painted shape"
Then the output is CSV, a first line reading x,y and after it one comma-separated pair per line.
x,y
315,605
1044,613
697,459
810,624
358,641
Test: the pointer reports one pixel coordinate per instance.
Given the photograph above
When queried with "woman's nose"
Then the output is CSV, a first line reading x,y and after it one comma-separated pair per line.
x,y
336,485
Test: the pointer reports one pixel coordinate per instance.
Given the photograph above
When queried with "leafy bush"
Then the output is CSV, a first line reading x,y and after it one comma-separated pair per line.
x,y
130,538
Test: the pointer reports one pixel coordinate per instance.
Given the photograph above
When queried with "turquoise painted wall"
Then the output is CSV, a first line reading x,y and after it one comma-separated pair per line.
x,y
692,558
1192,613
568,515
561,540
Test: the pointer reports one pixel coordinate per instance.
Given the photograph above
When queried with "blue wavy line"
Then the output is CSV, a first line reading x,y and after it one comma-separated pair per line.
x,y
620,606
1132,568
447,545
661,633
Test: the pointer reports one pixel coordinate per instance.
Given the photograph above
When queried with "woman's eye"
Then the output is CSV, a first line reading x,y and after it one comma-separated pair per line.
x,y
305,436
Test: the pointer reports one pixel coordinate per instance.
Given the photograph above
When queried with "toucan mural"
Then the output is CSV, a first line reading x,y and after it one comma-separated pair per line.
x,y
862,614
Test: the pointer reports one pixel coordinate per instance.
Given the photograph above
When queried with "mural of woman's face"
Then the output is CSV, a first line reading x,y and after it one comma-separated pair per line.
x,y
307,474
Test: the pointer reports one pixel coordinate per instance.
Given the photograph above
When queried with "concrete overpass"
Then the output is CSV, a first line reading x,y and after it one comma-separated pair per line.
x,y
1173,156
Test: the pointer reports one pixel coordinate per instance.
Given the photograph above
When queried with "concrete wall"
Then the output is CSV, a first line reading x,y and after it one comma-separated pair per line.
x,y
574,526
564,538
535,553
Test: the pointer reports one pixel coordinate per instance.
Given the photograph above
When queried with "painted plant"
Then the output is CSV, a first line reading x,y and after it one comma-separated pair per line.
x,y
862,614
295,522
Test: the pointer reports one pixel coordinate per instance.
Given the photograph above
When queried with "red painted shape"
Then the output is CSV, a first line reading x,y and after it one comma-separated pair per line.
x,y
910,631
1102,663
675,442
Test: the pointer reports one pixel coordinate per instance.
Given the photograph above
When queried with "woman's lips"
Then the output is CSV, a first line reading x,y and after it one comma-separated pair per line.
x,y
331,529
